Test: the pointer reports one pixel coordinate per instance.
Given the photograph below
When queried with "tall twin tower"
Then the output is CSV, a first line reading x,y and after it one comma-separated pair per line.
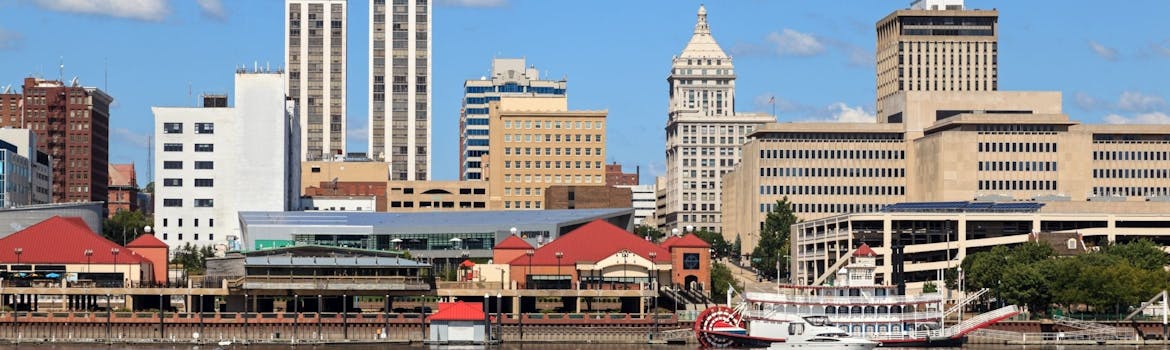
x,y
399,81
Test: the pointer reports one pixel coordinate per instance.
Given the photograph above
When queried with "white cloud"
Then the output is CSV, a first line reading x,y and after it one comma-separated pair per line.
x,y
1085,102
473,3
8,39
130,137
146,10
1143,118
842,113
1138,102
789,42
1109,54
212,9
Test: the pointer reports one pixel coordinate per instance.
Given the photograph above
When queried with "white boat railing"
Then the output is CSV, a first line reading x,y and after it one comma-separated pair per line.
x,y
978,321
966,300
779,298
779,315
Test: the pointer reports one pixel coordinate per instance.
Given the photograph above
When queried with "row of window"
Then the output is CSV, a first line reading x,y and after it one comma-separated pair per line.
x,y
1131,173
1031,129
550,151
513,87
548,164
527,191
554,178
200,128
784,190
170,182
1131,191
199,164
825,208
179,222
1017,185
1028,147
831,154
481,100
551,124
516,205
435,204
1017,166
702,206
178,147
551,137
733,130
687,140
833,172
1131,155
199,203
210,236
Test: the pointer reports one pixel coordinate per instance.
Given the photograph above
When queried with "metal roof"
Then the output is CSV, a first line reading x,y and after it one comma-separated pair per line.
x,y
431,221
363,261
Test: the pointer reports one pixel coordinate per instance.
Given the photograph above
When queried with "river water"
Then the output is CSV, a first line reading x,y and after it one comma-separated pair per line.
x,y
505,347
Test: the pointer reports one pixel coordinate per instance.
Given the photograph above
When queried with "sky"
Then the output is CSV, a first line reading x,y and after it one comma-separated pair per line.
x,y
1112,63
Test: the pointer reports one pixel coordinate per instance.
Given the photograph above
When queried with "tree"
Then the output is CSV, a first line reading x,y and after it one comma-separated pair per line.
x,y
718,244
774,238
646,230
1143,254
737,247
193,258
721,279
929,287
124,226
1025,285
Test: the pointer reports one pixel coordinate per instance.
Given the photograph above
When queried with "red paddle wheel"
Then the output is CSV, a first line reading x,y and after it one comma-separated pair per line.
x,y
712,318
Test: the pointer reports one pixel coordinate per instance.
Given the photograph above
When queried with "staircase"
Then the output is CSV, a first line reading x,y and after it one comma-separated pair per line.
x,y
979,321
832,270
963,302
1081,324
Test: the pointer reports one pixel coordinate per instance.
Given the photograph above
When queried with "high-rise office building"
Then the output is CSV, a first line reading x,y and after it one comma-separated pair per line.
x,y
314,48
215,161
537,142
509,77
26,176
72,124
936,45
703,133
400,87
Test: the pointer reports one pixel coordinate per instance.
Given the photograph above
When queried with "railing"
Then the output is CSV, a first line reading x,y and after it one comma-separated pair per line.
x,y
980,321
850,318
336,282
961,303
838,300
1080,324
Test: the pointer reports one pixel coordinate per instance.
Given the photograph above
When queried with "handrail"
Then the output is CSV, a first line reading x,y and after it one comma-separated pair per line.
x,y
838,300
966,300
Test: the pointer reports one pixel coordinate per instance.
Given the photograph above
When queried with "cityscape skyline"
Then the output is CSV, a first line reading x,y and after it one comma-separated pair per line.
x,y
816,61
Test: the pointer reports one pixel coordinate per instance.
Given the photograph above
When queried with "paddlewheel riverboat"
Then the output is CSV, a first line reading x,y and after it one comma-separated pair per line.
x,y
855,304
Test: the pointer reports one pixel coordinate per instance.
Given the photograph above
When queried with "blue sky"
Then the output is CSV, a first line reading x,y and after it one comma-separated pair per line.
x,y
1111,62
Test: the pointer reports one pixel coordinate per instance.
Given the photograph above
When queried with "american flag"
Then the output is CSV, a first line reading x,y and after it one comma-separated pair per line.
x,y
772,99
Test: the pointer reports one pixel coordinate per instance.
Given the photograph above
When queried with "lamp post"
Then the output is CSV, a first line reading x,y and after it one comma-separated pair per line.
x,y
18,251
88,259
559,256
513,231
674,231
528,276
115,252
625,267
960,269
654,297
690,228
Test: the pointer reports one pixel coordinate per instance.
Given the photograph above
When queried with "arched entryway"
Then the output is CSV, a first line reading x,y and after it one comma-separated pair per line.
x,y
692,282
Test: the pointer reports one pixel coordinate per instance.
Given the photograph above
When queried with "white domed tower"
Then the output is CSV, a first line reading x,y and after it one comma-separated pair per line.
x,y
859,272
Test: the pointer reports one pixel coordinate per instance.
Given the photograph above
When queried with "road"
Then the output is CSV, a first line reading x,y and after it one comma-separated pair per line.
x,y
747,278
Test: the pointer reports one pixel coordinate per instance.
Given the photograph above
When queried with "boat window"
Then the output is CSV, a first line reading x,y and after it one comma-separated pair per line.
x,y
824,340
795,328
817,320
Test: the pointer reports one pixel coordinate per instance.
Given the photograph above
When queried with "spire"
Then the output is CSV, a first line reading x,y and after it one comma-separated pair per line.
x,y
701,25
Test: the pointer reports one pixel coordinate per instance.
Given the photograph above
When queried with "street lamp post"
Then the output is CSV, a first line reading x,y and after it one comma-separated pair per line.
x,y
18,252
960,269
674,231
559,256
88,259
115,252
625,267
654,297
528,276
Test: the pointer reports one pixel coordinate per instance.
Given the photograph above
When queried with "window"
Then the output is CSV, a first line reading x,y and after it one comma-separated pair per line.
x,y
203,165
204,182
173,128
172,147
173,182
204,128
172,202
173,164
204,147
204,203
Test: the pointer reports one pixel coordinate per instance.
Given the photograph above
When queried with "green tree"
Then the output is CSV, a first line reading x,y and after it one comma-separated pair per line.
x,y
721,279
1030,252
737,247
124,226
1025,285
774,239
1143,254
646,230
720,245
193,258
929,287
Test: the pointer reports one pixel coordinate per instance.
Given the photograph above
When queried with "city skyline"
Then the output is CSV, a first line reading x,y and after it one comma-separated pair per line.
x,y
816,60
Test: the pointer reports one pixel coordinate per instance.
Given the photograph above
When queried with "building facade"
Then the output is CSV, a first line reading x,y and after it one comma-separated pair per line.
x,y
80,148
936,45
509,77
615,177
537,142
703,131
315,56
587,197
936,236
945,146
26,173
213,162
400,91
123,189
425,196
645,202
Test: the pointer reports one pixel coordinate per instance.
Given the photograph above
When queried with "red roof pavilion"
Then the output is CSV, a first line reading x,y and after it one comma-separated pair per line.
x,y
593,242
458,311
60,240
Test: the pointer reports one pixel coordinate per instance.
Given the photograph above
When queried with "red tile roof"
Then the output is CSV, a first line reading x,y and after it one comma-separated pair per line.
x,y
513,242
864,250
670,238
593,242
458,311
59,240
688,241
146,240
122,174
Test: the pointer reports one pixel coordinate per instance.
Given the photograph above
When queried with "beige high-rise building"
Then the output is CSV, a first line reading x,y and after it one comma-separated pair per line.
x,y
951,146
537,142
315,54
936,45
703,132
400,87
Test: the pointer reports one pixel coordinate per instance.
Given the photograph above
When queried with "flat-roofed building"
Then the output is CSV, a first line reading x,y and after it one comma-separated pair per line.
x,y
537,142
425,196
587,197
